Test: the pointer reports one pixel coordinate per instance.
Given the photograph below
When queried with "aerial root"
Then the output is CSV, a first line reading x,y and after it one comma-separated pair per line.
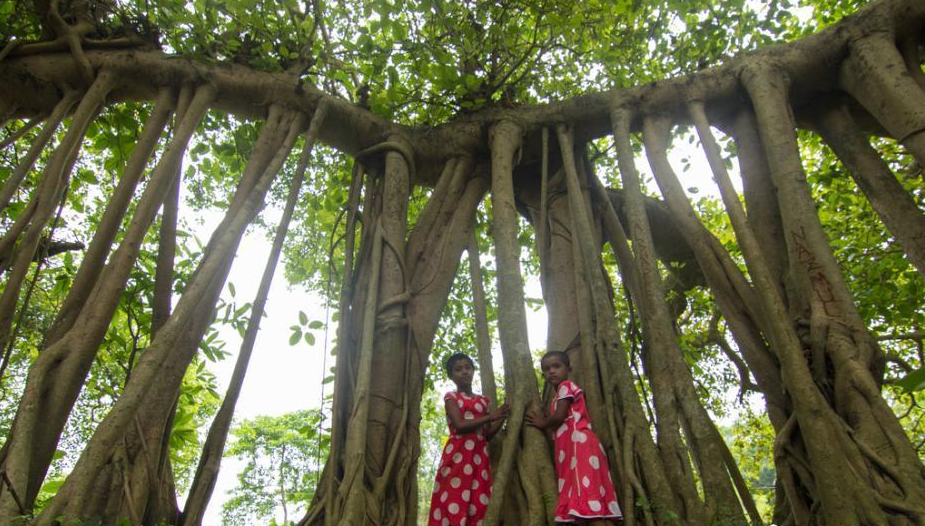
x,y
72,36
15,136
399,147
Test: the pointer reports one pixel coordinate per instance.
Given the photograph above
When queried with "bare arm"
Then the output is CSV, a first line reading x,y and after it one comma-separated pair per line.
x,y
468,425
542,421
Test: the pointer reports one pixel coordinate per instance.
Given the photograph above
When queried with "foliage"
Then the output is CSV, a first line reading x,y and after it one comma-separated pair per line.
x,y
434,433
281,466
751,440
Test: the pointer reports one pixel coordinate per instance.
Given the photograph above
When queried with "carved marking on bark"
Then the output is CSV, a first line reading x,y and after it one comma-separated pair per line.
x,y
821,286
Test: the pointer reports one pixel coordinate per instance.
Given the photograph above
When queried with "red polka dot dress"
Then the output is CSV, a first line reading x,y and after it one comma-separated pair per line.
x,y
463,483
585,488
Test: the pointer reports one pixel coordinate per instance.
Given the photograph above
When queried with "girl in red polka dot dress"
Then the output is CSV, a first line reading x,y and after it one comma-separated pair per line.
x,y
463,484
586,494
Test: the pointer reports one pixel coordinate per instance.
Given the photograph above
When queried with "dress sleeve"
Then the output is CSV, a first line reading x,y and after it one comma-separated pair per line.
x,y
567,390
450,396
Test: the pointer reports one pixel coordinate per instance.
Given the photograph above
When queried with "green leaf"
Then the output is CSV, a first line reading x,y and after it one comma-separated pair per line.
x,y
310,338
303,318
295,337
914,381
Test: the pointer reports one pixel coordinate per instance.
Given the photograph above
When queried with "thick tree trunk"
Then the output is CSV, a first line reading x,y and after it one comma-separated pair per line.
x,y
432,255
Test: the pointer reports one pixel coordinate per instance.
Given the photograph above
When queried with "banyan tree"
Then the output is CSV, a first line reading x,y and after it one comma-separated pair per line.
x,y
509,146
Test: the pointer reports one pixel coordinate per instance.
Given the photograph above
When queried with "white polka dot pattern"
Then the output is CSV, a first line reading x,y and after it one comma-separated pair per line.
x,y
463,482
585,489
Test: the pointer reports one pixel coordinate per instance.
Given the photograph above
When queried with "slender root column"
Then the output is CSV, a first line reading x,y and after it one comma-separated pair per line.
x,y
111,221
832,438
171,348
505,140
674,394
28,228
893,203
56,377
38,144
210,461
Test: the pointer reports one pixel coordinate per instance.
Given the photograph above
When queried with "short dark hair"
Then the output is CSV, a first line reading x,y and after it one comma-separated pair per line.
x,y
560,354
455,358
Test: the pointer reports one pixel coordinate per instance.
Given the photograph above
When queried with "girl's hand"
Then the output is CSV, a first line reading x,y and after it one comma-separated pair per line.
x,y
499,413
535,420
496,420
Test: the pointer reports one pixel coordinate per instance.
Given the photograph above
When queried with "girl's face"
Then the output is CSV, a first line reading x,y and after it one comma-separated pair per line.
x,y
554,370
461,373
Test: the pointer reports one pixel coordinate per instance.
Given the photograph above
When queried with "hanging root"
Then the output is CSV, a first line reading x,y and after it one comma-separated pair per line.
x,y
200,297
397,146
352,490
24,129
59,371
204,482
505,139
111,221
895,206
